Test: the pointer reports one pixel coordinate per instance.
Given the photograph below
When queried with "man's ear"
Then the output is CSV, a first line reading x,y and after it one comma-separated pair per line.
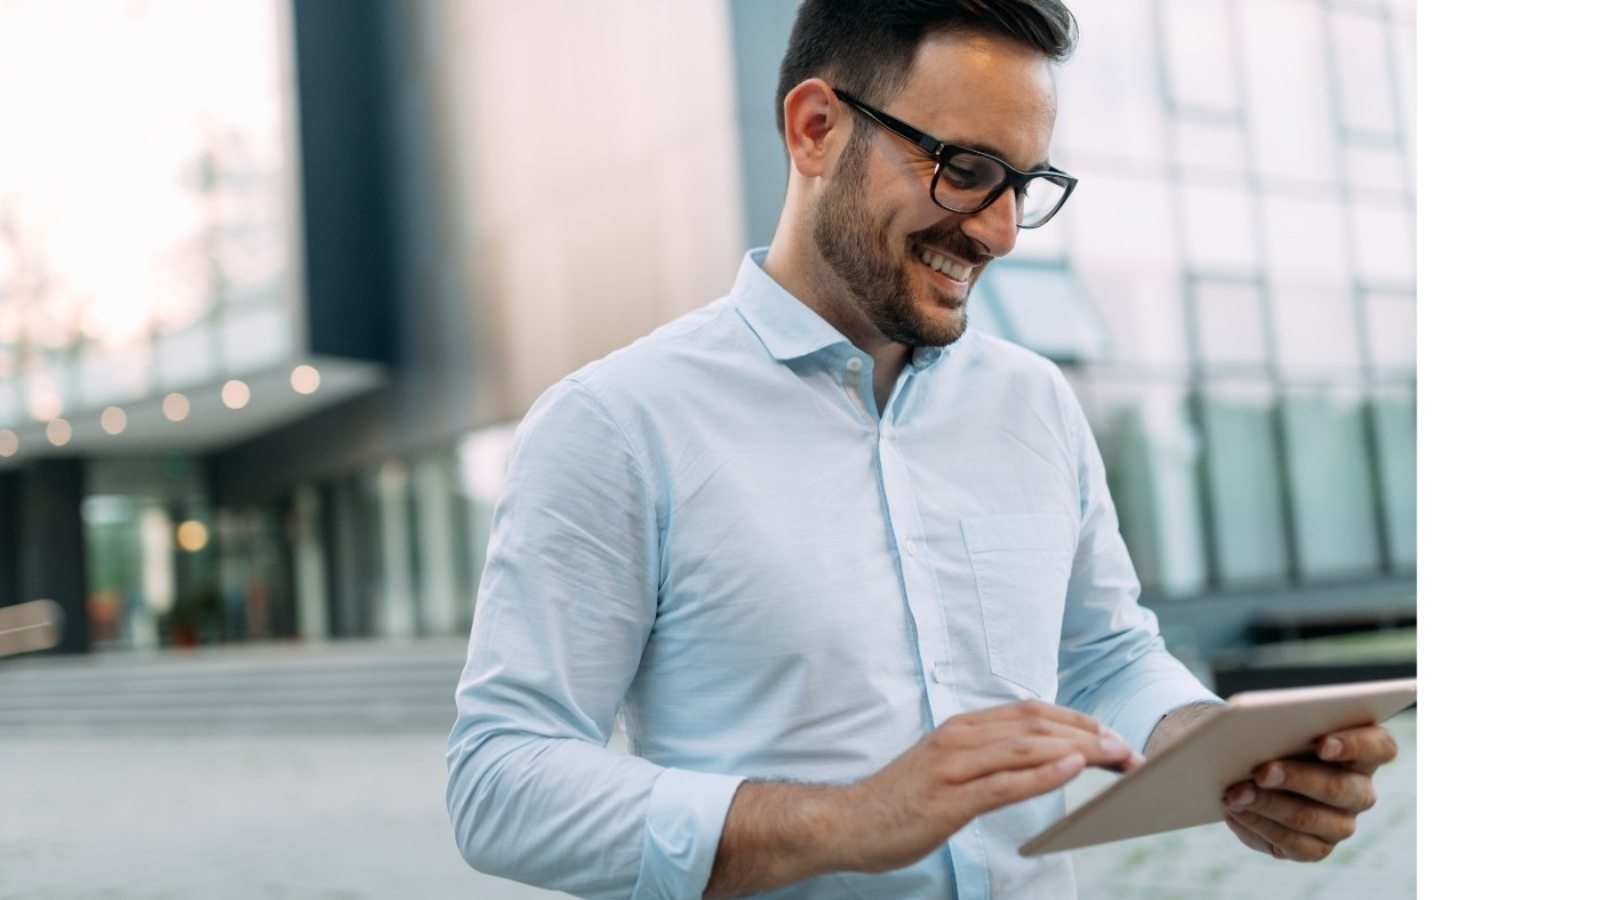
x,y
813,126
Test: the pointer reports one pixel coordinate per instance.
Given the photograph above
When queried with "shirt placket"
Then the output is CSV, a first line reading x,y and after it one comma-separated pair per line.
x,y
923,601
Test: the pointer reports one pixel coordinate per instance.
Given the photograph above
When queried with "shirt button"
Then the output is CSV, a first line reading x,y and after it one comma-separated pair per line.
x,y
853,364
911,547
941,673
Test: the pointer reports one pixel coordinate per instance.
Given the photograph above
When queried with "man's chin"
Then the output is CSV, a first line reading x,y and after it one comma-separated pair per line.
x,y
945,327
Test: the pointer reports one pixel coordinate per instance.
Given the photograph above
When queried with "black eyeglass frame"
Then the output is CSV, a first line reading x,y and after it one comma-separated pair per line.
x,y
943,152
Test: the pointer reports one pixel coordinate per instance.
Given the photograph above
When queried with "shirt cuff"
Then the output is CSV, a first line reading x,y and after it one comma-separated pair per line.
x,y
1138,716
683,826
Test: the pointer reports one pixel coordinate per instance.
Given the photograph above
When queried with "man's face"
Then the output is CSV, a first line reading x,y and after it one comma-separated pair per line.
x,y
875,224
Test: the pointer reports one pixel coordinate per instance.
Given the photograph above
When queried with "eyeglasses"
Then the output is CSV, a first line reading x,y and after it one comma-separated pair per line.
x,y
966,181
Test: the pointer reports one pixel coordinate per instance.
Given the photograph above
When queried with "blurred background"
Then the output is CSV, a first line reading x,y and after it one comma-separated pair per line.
x,y
277,280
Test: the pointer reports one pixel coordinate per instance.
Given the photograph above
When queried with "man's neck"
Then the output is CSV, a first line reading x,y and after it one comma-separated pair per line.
x,y
811,281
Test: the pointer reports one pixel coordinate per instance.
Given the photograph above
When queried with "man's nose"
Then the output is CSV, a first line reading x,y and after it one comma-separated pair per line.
x,y
994,226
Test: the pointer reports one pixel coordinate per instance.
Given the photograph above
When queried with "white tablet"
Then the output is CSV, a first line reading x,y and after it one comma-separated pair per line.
x,y
1183,784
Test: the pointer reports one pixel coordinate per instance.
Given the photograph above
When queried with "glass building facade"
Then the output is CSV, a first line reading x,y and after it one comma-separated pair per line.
x,y
1231,289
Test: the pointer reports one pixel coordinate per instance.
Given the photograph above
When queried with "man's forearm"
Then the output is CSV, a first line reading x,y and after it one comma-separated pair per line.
x,y
776,834
1176,723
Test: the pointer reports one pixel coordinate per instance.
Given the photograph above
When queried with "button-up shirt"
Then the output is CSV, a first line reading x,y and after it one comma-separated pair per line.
x,y
716,534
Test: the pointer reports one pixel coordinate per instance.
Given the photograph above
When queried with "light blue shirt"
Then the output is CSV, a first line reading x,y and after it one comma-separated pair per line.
x,y
714,533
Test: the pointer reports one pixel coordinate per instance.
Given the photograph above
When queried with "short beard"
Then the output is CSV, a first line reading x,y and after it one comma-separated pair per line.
x,y
858,251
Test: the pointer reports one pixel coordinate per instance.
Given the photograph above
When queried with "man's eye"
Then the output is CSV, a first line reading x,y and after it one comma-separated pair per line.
x,y
961,177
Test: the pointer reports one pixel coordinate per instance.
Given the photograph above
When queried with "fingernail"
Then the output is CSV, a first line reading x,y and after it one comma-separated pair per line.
x,y
1112,745
1070,762
1272,777
1330,748
1241,797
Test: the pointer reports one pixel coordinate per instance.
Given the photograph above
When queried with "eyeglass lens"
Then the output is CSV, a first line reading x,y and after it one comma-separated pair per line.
x,y
966,180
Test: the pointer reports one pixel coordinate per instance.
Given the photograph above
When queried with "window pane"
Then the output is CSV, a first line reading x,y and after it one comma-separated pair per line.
x,y
1110,96
1115,221
1217,229
256,338
1044,307
1366,94
1405,51
1396,415
1375,168
1291,112
184,359
1306,241
1316,328
1197,54
1392,330
1332,488
1209,147
1246,496
1230,319
115,375
1150,448
1124,250
47,385
1385,244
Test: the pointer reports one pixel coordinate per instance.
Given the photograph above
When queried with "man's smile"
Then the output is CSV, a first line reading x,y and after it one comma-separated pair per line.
x,y
956,271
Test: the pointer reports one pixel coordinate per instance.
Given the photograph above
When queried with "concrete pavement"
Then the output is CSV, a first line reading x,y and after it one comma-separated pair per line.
x,y
278,807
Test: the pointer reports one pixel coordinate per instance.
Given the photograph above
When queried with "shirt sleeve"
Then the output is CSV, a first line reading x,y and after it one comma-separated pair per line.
x,y
565,605
1113,663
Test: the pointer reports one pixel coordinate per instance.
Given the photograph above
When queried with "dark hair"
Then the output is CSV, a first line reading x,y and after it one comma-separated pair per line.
x,y
867,45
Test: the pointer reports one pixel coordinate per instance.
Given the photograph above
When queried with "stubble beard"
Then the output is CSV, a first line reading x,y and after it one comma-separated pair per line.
x,y
858,251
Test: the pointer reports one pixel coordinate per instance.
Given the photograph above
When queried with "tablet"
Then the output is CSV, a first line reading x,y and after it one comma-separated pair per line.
x,y
1183,785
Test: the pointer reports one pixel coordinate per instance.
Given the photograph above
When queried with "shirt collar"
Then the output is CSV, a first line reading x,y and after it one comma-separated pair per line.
x,y
790,329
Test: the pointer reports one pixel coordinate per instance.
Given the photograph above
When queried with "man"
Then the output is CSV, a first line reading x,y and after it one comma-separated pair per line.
x,y
850,574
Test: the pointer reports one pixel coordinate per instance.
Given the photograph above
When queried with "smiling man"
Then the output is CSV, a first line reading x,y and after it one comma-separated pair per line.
x,y
849,572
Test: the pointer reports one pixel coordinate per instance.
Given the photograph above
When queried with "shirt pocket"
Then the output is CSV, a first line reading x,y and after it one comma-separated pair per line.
x,y
1021,565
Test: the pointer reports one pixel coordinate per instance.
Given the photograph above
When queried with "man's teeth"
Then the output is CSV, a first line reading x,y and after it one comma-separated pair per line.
x,y
947,266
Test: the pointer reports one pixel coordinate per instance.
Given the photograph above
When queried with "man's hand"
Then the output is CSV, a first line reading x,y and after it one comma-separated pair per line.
x,y
776,834
970,765
1299,809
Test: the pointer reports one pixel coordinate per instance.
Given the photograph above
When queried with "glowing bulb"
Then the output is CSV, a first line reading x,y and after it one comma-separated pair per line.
x,y
44,404
235,394
175,407
113,420
58,432
304,379
192,536
8,443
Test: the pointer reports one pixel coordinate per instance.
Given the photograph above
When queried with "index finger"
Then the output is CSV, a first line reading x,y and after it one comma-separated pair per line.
x,y
1037,710
1366,747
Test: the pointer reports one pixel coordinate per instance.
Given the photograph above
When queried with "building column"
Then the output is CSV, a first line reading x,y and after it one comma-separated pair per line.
x,y
42,546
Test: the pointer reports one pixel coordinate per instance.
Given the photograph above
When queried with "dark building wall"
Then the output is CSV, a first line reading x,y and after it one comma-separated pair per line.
x,y
41,543
341,60
10,538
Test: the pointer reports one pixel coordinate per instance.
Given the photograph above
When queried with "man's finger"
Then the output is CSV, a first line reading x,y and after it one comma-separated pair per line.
x,y
991,792
1026,752
1295,813
980,733
1033,711
1286,843
1363,749
1249,838
1323,782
